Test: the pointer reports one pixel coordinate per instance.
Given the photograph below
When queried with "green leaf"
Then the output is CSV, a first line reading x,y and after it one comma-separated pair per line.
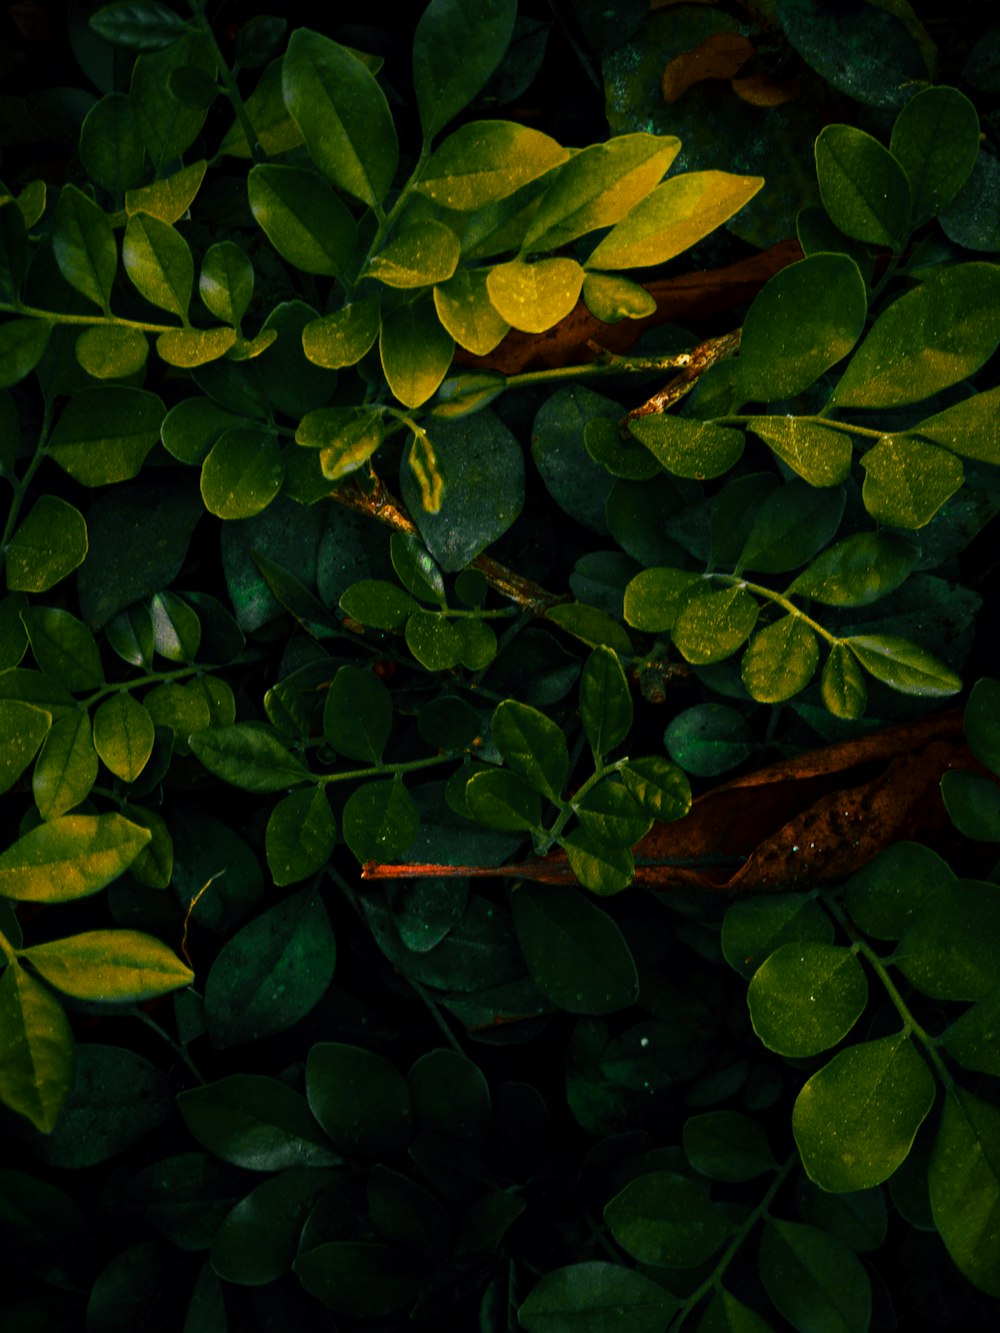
x,y
111,352
434,641
126,966
949,946
780,660
242,474
655,597
970,219
345,436
936,141
303,219
982,723
274,129
450,1096
36,1041
610,298
226,281
908,481
71,857
805,320
357,715
182,708
359,1278
248,755
532,745
598,867
903,666
842,684
863,188
534,297
502,800
574,951
169,198
709,739
858,570
13,250
672,218
271,973
712,626
818,453
104,434
64,648
406,1214
971,1039
343,338
725,1314
888,893
255,1122
605,701
123,735
482,464
753,928
805,997
188,348
700,450
726,1145
416,569
143,25
598,186
660,787
597,1297
415,350
464,307
176,628
257,1241
158,261
111,147
968,428
300,835
168,127
377,603
964,1180
455,50
342,113
973,805
359,1098
23,727
485,161
418,255
50,543
666,1219
84,246
855,1120
22,346
814,1280
380,821
610,815
931,337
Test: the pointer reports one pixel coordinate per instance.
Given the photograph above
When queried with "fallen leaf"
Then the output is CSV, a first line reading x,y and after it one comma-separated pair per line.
x,y
763,90
809,820
718,57
681,300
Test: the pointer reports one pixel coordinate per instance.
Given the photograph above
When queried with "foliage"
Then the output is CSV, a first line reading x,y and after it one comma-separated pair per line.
x,y
258,282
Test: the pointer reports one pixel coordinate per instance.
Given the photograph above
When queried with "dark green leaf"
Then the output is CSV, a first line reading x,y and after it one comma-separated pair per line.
x,y
158,261
973,805
971,1039
610,815
50,543
791,524
964,1180
455,50
574,951
820,454
949,946
888,893
22,346
377,603
359,1098
908,481
271,973
303,219
380,821
143,25
358,1278
713,625
300,835
780,660
700,450
450,1095
226,281
660,787
502,800
249,755
415,350
123,735
903,666
666,1219
357,715
84,246
242,473
66,769
858,570
936,141
255,1122
598,867
725,1145
342,113
806,319
258,1240
605,701
863,188
64,648
104,434
709,739
597,1297
37,1069
23,727
532,745
111,147
814,1280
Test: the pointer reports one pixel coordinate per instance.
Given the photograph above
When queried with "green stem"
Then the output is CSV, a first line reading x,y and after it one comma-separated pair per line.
x,y
844,427
714,1280
435,1013
151,678
735,581
386,770
56,317
571,806
257,152
21,486
607,364
175,1046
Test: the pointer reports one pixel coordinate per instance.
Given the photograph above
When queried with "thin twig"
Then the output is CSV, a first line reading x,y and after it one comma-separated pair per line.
x,y
701,358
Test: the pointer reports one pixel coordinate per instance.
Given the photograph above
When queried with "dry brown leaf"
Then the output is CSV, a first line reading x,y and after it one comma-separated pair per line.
x,y
763,90
682,300
718,57
809,820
